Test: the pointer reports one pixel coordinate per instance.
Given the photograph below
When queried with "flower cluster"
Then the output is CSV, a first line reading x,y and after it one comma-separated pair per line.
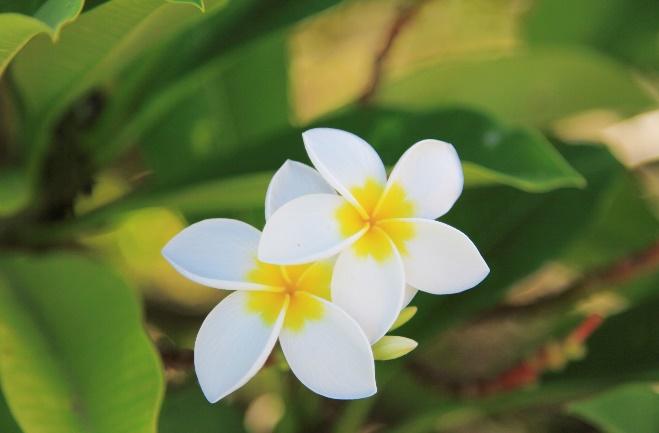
x,y
343,251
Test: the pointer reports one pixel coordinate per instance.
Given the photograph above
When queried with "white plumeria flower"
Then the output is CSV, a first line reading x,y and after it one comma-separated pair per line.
x,y
383,229
325,348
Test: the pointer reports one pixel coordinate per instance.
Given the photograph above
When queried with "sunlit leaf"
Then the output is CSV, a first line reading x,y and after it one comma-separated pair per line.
x,y
20,22
75,357
533,87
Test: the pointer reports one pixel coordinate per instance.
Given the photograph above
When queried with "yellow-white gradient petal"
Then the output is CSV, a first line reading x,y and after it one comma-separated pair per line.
x,y
369,283
330,355
430,176
217,253
233,344
440,259
292,180
344,160
305,230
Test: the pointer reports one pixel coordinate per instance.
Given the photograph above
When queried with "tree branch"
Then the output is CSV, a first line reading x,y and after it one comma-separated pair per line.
x,y
405,16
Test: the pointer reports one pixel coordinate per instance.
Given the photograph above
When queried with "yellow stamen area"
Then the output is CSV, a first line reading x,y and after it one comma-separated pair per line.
x,y
380,206
290,282
374,243
394,204
292,273
302,308
368,195
399,232
267,274
268,305
317,279
350,221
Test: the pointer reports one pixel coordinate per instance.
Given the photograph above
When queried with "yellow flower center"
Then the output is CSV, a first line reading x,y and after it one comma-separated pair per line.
x,y
292,284
377,208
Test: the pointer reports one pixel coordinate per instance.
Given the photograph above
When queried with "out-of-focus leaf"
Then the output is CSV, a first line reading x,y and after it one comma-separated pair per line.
x,y
51,77
626,409
186,410
134,244
14,191
605,25
623,224
484,146
19,23
531,87
7,422
334,55
229,37
75,357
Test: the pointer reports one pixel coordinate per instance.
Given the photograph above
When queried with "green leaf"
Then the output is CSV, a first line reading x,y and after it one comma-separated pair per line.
x,y
485,147
98,45
186,409
603,25
533,87
7,422
16,29
75,357
627,409
14,191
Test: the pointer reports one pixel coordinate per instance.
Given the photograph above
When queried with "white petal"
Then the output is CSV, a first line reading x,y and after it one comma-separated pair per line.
x,y
344,160
430,175
440,259
305,230
370,289
232,345
410,293
217,253
292,180
330,355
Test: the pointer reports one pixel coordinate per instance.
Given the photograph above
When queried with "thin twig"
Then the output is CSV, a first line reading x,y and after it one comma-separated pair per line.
x,y
404,17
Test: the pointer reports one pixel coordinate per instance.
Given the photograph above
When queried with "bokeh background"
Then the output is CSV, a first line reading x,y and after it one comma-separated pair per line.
x,y
123,121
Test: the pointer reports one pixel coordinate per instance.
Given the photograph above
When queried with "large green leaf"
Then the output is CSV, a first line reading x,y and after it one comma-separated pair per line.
x,y
626,409
19,23
534,87
75,357
484,145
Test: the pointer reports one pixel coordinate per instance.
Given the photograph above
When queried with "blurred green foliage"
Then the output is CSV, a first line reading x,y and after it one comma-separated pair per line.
x,y
123,120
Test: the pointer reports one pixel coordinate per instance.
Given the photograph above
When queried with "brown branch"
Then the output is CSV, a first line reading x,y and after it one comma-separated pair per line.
x,y
620,271
404,17
174,358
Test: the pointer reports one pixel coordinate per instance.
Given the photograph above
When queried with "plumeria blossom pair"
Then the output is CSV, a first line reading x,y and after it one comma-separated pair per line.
x,y
343,251
383,230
